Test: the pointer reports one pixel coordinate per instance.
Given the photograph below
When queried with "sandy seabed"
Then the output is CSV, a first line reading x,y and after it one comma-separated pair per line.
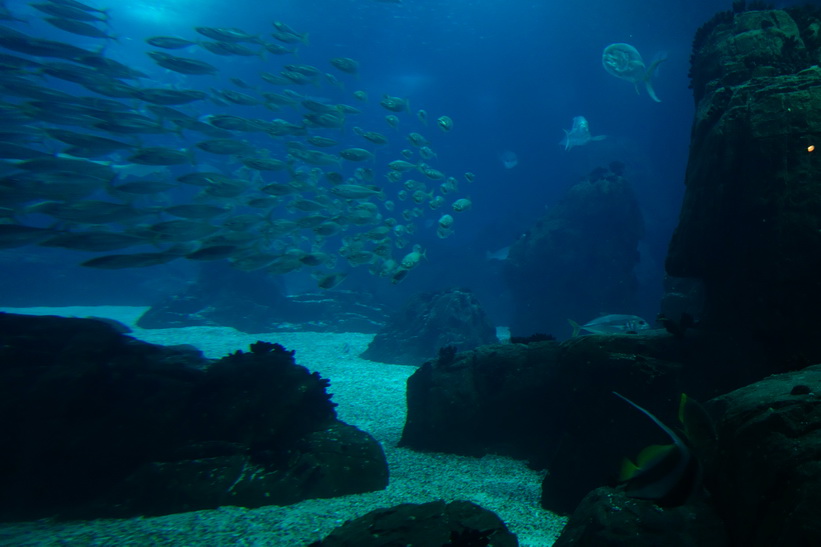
x,y
370,396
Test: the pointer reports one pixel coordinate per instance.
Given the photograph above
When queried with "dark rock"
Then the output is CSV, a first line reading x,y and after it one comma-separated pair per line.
x,y
607,517
428,322
579,259
254,302
455,524
769,473
749,222
97,424
552,403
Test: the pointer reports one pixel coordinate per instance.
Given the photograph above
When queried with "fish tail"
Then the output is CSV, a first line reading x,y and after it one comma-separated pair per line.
x,y
648,76
576,328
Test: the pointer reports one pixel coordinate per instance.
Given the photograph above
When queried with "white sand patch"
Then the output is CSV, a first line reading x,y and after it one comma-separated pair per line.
x,y
370,396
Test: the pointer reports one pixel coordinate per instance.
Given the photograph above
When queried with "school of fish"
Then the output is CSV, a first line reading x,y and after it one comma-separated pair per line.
x,y
147,172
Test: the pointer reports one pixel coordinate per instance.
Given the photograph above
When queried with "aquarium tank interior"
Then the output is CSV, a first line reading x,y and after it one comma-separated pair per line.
x,y
375,273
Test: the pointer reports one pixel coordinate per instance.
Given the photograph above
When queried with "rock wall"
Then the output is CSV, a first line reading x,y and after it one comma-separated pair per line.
x,y
750,225
578,261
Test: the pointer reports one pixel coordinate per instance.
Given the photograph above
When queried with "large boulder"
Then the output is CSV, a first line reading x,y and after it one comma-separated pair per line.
x,y
608,517
429,322
552,404
769,471
750,224
98,424
437,523
579,259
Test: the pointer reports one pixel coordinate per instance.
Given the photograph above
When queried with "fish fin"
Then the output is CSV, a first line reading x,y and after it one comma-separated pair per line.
x,y
598,138
670,433
628,470
576,328
648,77
652,453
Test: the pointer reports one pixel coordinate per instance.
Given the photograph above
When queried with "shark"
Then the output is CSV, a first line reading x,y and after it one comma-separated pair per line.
x,y
625,62
579,134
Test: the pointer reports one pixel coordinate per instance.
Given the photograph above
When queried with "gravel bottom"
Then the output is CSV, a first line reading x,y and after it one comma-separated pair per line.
x,y
370,396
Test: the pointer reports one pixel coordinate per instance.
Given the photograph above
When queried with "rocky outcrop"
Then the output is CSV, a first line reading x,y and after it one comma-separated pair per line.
x,y
552,404
749,226
429,322
97,424
454,524
578,260
609,517
253,302
769,471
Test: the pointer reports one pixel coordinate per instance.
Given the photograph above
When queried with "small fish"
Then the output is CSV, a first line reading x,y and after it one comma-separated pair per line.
x,y
77,27
345,64
411,259
444,123
137,260
96,241
509,159
159,155
612,324
625,62
462,205
229,48
169,42
329,281
183,65
356,154
579,134
394,104
227,34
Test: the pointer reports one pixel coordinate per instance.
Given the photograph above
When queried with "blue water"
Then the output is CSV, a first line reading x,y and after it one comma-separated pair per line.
x,y
511,74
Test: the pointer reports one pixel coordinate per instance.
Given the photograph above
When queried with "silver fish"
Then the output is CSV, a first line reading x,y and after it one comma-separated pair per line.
x,y
625,62
579,134
612,324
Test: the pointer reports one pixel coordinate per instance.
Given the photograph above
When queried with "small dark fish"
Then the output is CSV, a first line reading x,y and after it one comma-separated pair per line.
x,y
89,168
16,235
138,260
235,97
227,34
195,211
143,187
90,142
77,27
79,5
169,42
38,47
160,155
329,281
165,96
70,12
234,123
264,164
181,230
214,252
345,64
229,48
110,67
97,241
183,65
225,146
277,49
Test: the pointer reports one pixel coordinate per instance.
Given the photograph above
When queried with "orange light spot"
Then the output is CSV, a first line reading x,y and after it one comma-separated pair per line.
x,y
810,148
